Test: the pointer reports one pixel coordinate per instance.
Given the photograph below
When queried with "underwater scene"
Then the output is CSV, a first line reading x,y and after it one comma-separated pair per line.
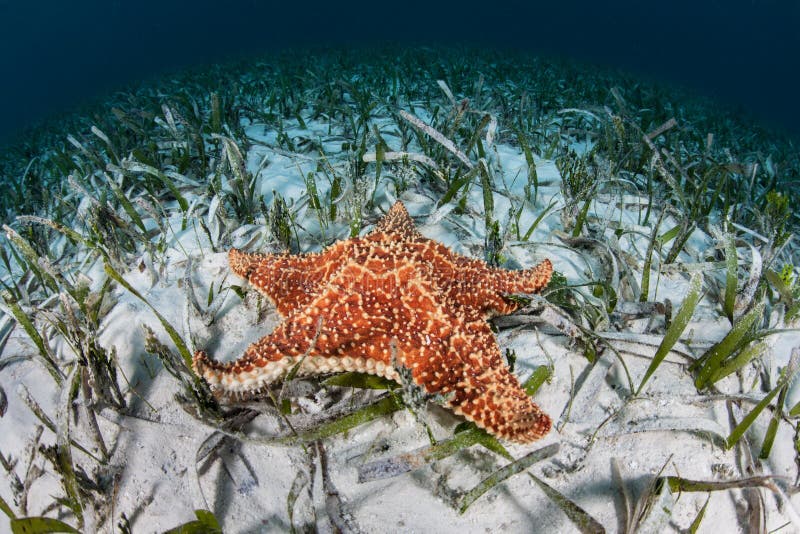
x,y
399,270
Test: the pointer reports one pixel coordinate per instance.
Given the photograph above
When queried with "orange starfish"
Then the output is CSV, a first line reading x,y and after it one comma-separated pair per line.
x,y
389,300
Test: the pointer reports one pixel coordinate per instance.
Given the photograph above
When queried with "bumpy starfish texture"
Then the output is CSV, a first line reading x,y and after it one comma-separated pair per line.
x,y
389,299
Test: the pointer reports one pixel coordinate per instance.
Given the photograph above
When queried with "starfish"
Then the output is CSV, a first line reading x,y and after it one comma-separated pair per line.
x,y
388,302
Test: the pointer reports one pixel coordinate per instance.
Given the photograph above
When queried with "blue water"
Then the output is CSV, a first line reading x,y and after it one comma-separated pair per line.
x,y
55,54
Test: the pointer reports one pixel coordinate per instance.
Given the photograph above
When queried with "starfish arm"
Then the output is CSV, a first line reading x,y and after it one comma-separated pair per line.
x,y
503,282
346,327
525,281
451,355
396,222
483,390
289,281
483,289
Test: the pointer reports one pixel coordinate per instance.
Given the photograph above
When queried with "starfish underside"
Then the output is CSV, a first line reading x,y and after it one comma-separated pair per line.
x,y
390,299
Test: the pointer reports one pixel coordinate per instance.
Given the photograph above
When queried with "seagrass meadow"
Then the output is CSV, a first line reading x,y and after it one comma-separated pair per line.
x,y
665,348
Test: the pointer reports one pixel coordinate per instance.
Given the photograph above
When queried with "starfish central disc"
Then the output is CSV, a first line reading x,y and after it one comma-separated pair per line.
x,y
389,299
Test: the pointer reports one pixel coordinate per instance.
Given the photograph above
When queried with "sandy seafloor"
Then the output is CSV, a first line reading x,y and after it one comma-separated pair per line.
x,y
669,426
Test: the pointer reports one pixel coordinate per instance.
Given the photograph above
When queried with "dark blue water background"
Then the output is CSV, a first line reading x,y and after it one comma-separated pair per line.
x,y
55,54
